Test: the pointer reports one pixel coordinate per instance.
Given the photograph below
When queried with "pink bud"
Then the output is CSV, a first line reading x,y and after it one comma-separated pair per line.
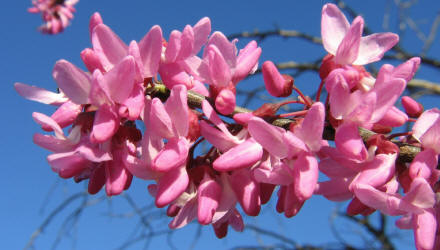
x,y
225,102
357,207
412,107
327,66
91,60
194,127
267,110
266,191
276,84
96,180
172,210
220,229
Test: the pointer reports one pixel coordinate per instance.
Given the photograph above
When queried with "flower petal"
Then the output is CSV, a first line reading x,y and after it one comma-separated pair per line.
x,y
109,47
67,164
243,155
171,185
116,177
47,121
160,121
173,46
74,82
201,32
247,191
173,155
269,136
349,142
151,49
386,203
208,196
334,26
348,49
177,109
120,79
185,215
37,94
373,47
310,130
105,125
305,176
425,227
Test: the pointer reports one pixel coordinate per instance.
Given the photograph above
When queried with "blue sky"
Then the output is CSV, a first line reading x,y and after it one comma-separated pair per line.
x,y
28,57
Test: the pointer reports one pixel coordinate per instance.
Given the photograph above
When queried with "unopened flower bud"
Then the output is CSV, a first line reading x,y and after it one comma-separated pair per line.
x,y
383,146
327,66
225,102
91,60
172,210
267,110
266,190
357,207
412,107
194,128
276,84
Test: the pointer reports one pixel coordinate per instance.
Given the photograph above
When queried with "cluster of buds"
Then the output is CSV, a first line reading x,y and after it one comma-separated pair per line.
x,y
56,14
180,96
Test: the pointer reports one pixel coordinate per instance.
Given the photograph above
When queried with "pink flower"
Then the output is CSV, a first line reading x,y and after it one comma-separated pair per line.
x,y
55,14
180,50
276,84
165,162
290,158
352,163
109,50
417,208
239,151
75,156
412,107
67,110
222,68
371,100
239,154
345,41
427,131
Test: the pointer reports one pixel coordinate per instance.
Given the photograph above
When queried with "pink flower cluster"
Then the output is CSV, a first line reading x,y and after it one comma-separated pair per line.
x,y
368,173
56,14
96,134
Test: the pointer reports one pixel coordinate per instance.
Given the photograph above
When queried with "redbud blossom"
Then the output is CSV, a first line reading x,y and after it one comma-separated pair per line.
x,y
276,84
345,41
412,107
55,14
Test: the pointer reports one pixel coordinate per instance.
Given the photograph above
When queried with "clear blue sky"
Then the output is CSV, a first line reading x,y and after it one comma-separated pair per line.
x,y
28,57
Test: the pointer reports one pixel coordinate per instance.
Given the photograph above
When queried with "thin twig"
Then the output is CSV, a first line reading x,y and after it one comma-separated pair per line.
x,y
51,216
261,35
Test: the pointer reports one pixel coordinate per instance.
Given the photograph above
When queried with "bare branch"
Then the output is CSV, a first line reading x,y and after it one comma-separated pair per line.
x,y
432,87
432,34
51,216
407,152
379,233
261,35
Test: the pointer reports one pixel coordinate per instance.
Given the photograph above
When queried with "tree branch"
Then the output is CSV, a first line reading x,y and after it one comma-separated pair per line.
x,y
407,152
